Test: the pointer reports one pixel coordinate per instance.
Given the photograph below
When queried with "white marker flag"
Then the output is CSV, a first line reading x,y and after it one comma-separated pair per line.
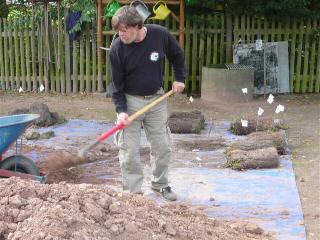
x,y
244,123
260,111
270,99
41,88
280,108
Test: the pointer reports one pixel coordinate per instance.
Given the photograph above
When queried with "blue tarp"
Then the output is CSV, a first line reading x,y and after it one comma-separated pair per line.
x,y
267,197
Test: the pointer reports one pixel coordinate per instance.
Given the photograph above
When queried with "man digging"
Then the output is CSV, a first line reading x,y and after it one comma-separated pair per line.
x,y
137,66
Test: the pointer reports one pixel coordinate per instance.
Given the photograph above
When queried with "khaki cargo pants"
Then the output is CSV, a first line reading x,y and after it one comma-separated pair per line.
x,y
154,122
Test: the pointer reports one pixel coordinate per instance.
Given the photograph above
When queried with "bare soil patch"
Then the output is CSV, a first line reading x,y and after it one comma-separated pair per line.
x,y
85,211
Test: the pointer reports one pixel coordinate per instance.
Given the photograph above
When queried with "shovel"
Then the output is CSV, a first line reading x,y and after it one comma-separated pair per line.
x,y
121,125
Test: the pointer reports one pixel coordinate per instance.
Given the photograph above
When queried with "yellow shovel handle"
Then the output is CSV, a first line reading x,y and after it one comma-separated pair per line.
x,y
149,106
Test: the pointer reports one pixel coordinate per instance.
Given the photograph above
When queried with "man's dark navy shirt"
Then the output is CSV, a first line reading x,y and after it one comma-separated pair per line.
x,y
138,68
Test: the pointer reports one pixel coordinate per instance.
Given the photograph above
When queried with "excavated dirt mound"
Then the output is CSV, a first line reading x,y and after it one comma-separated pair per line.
x,y
254,159
57,161
46,118
256,125
258,140
29,210
186,122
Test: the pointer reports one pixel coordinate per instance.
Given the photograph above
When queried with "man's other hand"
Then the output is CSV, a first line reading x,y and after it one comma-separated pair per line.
x,y
178,87
123,118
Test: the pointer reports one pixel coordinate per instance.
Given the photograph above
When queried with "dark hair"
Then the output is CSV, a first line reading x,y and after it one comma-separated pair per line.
x,y
128,16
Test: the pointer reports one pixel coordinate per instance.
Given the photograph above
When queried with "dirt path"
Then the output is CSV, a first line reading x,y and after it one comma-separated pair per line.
x,y
302,115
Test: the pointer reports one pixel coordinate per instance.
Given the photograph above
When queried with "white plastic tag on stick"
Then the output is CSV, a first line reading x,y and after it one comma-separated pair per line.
x,y
20,90
270,99
244,90
41,88
244,123
280,108
191,99
260,111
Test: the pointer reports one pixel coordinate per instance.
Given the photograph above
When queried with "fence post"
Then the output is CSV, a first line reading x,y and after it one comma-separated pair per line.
x,y
17,57
229,31
297,85
67,55
22,56
6,54
1,57
27,35
100,58
94,59
75,67
88,75
312,60
306,59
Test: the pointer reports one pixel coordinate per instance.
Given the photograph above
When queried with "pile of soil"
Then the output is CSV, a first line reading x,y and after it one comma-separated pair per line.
x,y
259,140
254,159
29,210
46,118
186,122
254,125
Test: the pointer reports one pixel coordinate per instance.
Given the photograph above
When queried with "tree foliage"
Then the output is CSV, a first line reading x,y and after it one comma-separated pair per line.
x,y
268,8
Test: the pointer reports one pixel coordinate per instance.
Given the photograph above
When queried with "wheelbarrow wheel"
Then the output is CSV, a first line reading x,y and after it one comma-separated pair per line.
x,y
20,164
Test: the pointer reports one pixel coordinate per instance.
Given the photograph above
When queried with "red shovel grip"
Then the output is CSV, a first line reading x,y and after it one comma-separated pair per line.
x,y
111,131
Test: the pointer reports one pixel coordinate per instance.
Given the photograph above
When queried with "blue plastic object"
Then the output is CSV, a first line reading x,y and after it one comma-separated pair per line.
x,y
11,127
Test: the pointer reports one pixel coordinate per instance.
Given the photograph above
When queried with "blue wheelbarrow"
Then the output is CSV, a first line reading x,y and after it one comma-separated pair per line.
x,y
11,129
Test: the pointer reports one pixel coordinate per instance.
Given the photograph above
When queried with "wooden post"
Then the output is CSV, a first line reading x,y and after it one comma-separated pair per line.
x,y
194,57
11,54
88,75
188,53
313,60
6,54
46,49
94,61
81,64
305,75
293,55
40,59
297,86
229,39
75,67
33,54
67,55
22,58
100,59
27,35
2,35
17,57
181,38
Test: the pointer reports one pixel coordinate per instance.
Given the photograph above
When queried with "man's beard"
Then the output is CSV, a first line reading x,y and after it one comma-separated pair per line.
x,y
131,39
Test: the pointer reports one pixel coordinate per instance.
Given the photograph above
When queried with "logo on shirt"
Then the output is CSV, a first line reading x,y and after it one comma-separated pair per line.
x,y
154,56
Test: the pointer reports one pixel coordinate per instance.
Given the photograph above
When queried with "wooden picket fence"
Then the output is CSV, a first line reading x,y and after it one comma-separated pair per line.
x,y
31,56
